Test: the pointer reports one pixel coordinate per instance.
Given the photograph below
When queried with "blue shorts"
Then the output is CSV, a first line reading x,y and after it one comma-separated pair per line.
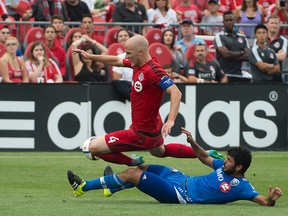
x,y
165,184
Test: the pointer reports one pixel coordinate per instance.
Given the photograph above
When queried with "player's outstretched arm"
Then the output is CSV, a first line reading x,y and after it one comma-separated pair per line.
x,y
105,59
200,153
274,194
175,98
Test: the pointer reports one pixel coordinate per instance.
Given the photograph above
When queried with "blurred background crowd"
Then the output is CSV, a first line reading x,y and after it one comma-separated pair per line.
x,y
207,41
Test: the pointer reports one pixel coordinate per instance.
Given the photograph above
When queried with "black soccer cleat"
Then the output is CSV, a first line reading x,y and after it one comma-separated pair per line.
x,y
108,171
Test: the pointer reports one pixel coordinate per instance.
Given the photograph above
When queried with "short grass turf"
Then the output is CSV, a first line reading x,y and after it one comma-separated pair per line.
x,y
35,183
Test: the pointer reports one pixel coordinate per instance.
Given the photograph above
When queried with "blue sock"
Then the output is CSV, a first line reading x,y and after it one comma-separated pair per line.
x,y
111,181
126,186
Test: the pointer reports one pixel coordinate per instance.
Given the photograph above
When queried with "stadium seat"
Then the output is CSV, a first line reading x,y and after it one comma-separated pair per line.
x,y
33,34
23,29
47,50
111,36
115,49
68,36
161,53
69,65
99,30
154,35
12,27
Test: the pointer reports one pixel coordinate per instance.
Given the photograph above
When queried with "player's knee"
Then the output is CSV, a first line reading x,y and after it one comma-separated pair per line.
x,y
132,174
87,150
158,152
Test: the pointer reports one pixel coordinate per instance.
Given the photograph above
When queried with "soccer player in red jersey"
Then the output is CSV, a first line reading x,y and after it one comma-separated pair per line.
x,y
147,130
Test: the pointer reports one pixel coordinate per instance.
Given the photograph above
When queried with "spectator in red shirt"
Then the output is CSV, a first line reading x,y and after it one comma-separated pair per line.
x,y
188,11
3,9
106,9
265,3
12,67
5,33
281,11
227,5
56,48
202,5
77,34
87,25
58,22
40,66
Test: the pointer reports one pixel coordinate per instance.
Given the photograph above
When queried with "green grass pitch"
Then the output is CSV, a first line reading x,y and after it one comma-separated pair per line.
x,y
35,183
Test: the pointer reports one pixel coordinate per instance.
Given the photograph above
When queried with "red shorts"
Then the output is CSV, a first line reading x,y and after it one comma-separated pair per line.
x,y
131,140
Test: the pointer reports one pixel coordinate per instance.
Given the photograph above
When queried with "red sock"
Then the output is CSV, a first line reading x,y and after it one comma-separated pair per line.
x,y
116,157
178,150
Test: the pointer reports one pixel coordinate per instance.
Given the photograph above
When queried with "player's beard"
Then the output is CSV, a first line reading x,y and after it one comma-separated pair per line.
x,y
230,171
200,58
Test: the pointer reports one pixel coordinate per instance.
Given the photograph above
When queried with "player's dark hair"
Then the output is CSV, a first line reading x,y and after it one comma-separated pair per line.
x,y
273,16
131,34
173,39
58,17
260,26
49,26
242,156
85,16
228,13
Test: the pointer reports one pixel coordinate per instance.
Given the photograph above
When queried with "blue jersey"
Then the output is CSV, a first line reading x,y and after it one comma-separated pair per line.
x,y
219,187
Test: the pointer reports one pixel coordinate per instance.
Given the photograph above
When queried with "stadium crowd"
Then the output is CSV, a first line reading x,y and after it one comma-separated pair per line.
x,y
206,41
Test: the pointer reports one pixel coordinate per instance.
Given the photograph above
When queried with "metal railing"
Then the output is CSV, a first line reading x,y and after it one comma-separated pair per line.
x,y
20,28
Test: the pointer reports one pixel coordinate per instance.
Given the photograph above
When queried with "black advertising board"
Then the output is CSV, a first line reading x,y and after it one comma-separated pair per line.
x,y
43,117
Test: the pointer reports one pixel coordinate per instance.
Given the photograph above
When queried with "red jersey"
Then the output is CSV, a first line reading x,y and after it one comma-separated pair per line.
x,y
270,11
226,5
202,5
15,75
97,36
190,12
239,2
2,8
146,96
48,72
266,3
109,12
59,40
60,55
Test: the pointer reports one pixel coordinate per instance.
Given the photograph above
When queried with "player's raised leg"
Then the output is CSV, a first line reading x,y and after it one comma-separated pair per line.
x,y
80,186
179,150
95,148
108,192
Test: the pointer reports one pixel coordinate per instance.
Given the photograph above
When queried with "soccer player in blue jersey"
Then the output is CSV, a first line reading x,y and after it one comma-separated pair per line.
x,y
226,183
